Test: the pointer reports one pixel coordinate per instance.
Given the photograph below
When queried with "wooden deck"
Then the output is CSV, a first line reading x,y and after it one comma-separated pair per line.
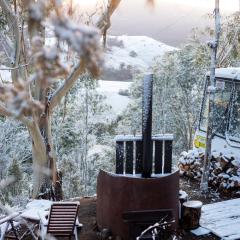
x,y
222,218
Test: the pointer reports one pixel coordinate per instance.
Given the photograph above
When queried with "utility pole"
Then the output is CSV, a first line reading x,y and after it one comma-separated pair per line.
x,y
211,95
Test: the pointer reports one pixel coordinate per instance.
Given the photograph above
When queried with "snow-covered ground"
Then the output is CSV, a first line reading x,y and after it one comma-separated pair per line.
x,y
110,89
222,218
144,50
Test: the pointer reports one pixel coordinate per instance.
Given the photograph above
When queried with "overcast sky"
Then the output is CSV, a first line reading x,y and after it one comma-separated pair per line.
x,y
170,21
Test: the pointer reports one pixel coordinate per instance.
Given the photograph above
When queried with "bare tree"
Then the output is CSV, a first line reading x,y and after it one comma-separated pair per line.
x,y
211,93
33,99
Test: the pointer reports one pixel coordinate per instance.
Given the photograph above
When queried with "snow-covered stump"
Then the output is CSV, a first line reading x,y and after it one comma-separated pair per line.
x,y
191,214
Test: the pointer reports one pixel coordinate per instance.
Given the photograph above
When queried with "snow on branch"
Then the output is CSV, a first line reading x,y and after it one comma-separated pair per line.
x,y
84,40
47,63
18,101
67,85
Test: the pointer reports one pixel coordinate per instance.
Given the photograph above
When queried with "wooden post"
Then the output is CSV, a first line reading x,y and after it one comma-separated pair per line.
x,y
147,126
119,157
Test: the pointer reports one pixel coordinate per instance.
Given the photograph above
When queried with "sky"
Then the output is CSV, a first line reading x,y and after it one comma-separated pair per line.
x,y
170,21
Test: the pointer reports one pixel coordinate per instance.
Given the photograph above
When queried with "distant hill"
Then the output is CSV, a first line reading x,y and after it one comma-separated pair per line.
x,y
127,54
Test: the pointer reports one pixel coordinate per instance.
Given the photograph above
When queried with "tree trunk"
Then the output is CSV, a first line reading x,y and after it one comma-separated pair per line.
x,y
40,161
46,182
211,95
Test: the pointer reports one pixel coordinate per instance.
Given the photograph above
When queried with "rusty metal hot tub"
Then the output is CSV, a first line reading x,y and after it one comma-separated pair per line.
x,y
143,188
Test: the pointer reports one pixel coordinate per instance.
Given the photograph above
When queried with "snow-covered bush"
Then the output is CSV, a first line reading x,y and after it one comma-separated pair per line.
x,y
133,54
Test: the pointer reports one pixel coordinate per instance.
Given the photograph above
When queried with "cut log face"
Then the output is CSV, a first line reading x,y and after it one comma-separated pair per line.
x,y
191,214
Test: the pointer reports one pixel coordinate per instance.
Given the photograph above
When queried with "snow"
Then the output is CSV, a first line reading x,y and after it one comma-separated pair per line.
x,y
6,225
211,89
138,137
5,75
183,194
193,204
36,208
146,49
200,231
232,73
110,89
153,175
222,219
98,149
40,204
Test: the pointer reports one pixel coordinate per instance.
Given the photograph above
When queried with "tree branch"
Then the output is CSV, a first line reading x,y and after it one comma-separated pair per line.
x,y
104,22
67,85
6,113
13,22
80,67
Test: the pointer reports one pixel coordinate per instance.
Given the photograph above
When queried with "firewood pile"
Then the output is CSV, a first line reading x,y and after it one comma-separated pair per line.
x,y
224,170
190,164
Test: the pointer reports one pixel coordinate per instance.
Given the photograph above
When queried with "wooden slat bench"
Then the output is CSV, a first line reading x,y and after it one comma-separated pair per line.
x,y
62,220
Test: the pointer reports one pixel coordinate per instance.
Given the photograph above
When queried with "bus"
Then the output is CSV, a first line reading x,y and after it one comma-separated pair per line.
x,y
226,113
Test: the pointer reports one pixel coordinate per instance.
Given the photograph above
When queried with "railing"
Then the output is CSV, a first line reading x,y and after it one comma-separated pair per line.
x,y
129,154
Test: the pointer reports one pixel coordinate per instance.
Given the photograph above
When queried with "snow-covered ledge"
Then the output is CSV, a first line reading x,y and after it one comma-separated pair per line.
x,y
125,138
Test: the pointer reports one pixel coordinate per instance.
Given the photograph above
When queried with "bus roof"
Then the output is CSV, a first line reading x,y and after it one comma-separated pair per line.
x,y
229,73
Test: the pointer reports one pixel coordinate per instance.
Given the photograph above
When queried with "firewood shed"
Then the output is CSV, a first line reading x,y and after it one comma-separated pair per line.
x,y
143,189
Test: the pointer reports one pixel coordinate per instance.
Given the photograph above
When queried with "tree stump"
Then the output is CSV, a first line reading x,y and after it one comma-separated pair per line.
x,y
191,214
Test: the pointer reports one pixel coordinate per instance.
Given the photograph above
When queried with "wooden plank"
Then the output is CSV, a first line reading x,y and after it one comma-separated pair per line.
x,y
222,218
168,157
158,156
119,157
129,157
139,156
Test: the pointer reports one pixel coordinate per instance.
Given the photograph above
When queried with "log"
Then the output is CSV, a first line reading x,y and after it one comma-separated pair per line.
x,y
191,214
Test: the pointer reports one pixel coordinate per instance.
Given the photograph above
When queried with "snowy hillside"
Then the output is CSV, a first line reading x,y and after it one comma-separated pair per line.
x,y
111,89
133,51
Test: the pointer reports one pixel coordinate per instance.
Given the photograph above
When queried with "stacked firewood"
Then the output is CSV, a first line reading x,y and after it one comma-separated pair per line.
x,y
224,173
190,164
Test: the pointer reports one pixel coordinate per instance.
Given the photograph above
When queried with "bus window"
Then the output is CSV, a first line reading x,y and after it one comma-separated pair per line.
x,y
221,103
204,113
234,123
221,107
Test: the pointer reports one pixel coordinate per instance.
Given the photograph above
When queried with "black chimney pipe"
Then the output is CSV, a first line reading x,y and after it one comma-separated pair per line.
x,y
147,125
